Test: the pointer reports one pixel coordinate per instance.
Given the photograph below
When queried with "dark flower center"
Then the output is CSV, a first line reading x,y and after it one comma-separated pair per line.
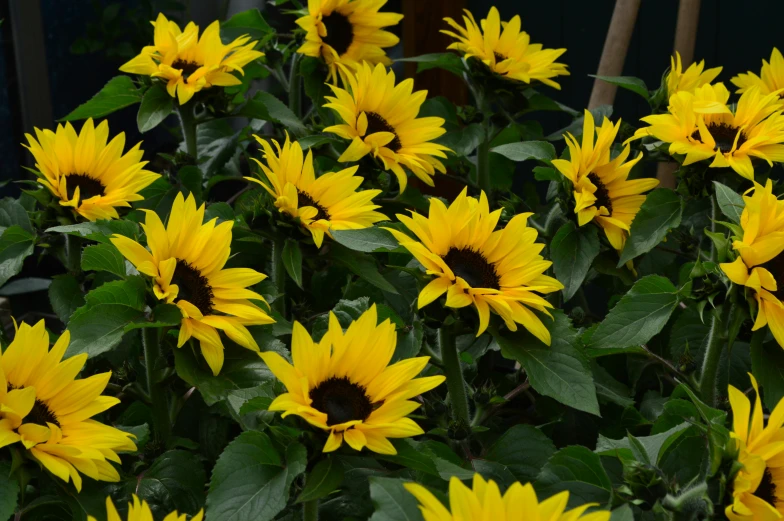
x,y
41,414
186,67
341,400
602,194
88,187
767,489
304,199
378,124
340,32
499,57
472,267
723,135
776,268
194,287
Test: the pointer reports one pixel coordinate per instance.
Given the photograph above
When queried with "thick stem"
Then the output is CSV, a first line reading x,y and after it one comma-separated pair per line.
x,y
714,216
295,86
73,253
160,406
454,375
188,122
710,365
483,164
279,275
310,510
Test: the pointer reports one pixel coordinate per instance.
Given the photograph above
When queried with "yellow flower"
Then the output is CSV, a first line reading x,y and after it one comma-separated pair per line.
x,y
329,202
772,79
475,264
45,408
602,192
758,488
485,502
760,265
345,385
702,125
348,33
505,49
188,63
140,511
86,173
187,262
694,76
381,117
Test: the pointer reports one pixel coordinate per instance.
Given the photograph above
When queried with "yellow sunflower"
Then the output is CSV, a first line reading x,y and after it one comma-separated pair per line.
x,y
505,49
188,63
187,262
701,125
475,264
760,264
86,173
484,501
694,76
45,408
329,202
140,511
348,33
758,488
381,117
345,385
771,80
602,192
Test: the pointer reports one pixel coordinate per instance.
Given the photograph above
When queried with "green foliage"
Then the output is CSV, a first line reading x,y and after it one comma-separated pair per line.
x,y
118,93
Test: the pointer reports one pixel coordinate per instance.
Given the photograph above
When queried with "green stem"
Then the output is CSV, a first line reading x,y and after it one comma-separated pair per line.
x,y
295,86
483,164
454,375
160,407
717,337
279,275
188,121
310,510
73,253
714,215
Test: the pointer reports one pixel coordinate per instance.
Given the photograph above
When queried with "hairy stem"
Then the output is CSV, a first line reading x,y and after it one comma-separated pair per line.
x,y
73,253
188,122
483,164
710,365
454,375
279,275
160,406
310,510
295,86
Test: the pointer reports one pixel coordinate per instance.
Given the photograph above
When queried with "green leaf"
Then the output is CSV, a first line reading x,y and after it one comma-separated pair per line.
x,y
579,471
129,292
250,481
524,450
16,244
175,481
609,388
463,141
9,492
651,444
363,266
248,22
324,479
442,60
730,202
660,212
631,83
638,316
572,251
292,261
191,178
366,239
560,371
65,296
11,213
99,231
392,502
576,127
24,286
525,150
155,107
103,257
118,93
767,362
267,107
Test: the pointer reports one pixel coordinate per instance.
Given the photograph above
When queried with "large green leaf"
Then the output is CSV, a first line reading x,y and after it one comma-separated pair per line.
x,y
363,266
660,212
325,478
524,450
9,492
267,107
11,213
767,361
16,244
652,444
100,231
631,83
248,22
118,93
638,316
525,150
730,202
365,240
103,257
251,481
175,481
65,296
572,250
442,60
392,502
292,261
560,371
579,471
155,107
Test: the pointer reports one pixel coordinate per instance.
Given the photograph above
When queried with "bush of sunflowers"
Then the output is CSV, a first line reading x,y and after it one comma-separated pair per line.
x,y
342,299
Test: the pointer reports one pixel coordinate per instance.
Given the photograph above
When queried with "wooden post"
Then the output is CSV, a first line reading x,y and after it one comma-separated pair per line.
x,y
616,45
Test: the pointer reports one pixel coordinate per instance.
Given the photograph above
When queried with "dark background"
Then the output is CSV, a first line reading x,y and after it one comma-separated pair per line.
x,y
85,41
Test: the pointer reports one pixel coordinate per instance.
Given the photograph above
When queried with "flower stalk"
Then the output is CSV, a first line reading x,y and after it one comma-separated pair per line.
x,y
188,122
310,510
483,164
160,406
279,275
454,375
717,338
295,86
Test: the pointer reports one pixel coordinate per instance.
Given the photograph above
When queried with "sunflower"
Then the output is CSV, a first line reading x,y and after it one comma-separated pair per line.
x,y
602,192
702,125
329,202
694,76
45,408
86,173
345,385
473,264
187,262
381,117
505,49
188,63
348,33
772,79
760,264
484,501
140,511
758,488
